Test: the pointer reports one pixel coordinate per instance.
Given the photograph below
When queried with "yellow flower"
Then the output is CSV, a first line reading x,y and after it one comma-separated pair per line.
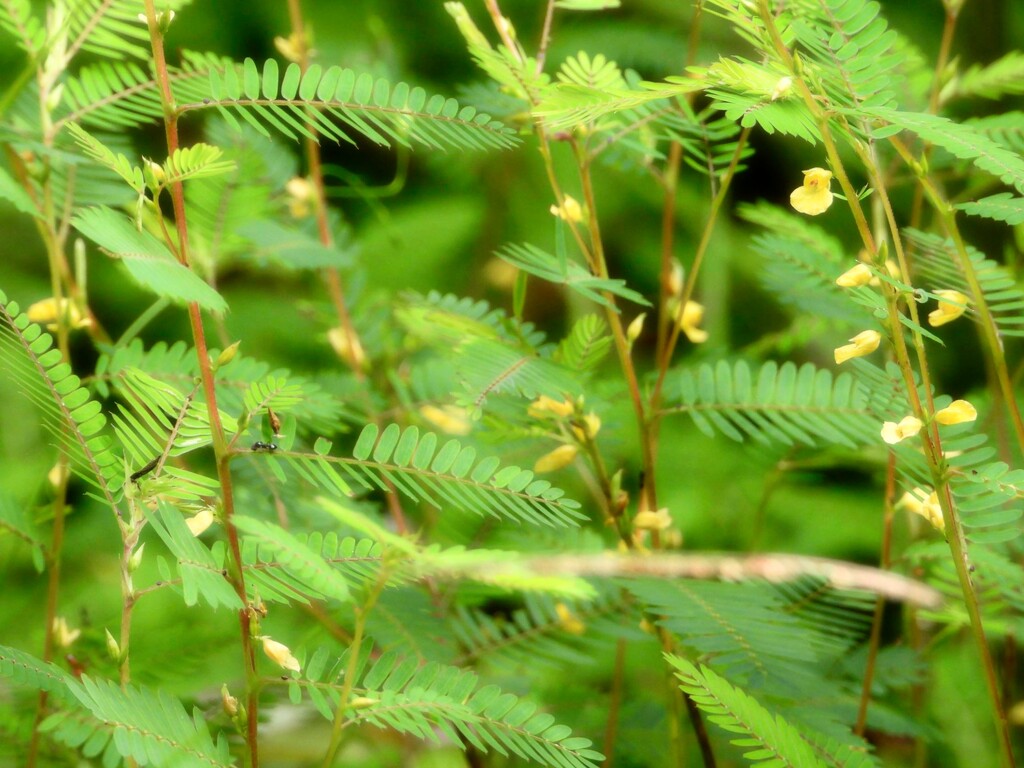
x,y
300,195
814,196
280,654
545,406
48,310
892,432
570,210
568,620
956,412
590,427
920,502
864,343
347,347
689,320
854,277
450,419
562,456
652,521
63,635
952,304
289,47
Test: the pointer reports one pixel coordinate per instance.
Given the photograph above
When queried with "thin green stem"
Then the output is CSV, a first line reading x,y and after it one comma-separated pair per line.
x,y
691,278
876,620
354,649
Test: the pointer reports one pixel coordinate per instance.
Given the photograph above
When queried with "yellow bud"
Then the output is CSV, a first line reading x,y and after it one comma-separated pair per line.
x,y
893,433
347,347
570,210
864,343
652,521
229,702
952,304
926,505
857,276
450,419
561,457
676,278
280,654
112,647
782,88
568,620
814,196
49,310
63,635
545,406
228,354
361,702
956,412
635,328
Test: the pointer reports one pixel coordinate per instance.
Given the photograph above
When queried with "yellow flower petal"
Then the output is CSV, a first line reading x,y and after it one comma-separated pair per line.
x,y
864,343
921,502
814,196
545,406
561,457
893,433
952,304
857,276
690,319
956,412
200,521
569,621
450,419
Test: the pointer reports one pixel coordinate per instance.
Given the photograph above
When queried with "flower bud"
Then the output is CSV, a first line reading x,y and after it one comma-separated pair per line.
x,y
280,654
545,406
652,521
561,457
450,419
854,277
569,621
864,343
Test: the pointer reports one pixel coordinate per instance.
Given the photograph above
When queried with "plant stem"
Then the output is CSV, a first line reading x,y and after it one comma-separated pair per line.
x,y
221,452
612,723
354,649
876,620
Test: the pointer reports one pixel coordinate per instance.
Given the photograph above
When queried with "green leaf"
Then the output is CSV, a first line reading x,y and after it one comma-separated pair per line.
x,y
960,140
776,742
586,5
12,192
1001,207
572,275
146,258
290,247
296,557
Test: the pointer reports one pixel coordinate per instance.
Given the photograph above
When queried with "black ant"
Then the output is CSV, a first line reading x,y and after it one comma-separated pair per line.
x,y
260,446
